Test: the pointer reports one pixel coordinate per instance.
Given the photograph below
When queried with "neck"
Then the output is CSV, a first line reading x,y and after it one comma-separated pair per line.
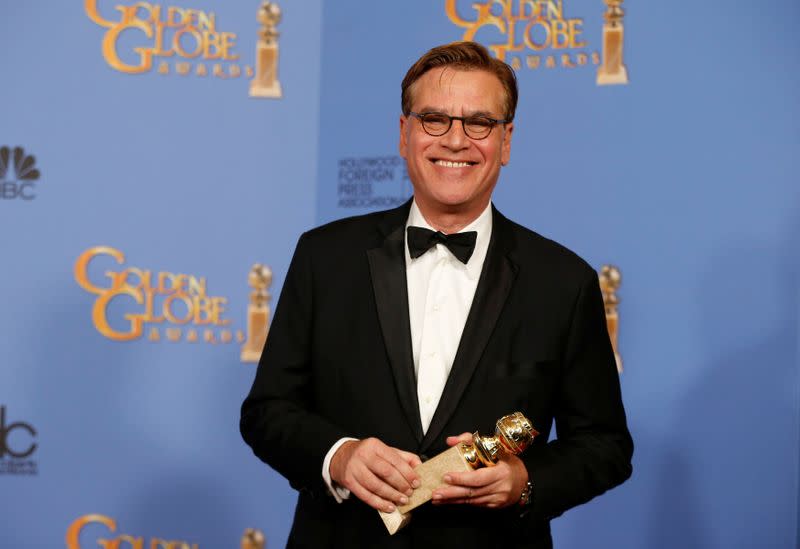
x,y
450,222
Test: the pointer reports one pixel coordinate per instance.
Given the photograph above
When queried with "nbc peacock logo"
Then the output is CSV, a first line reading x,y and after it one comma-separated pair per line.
x,y
18,174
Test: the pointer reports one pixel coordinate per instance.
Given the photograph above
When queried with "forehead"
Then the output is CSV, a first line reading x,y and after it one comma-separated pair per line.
x,y
452,89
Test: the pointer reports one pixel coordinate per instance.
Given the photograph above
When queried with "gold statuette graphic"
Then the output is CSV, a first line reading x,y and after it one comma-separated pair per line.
x,y
253,539
610,280
260,279
265,82
513,433
612,70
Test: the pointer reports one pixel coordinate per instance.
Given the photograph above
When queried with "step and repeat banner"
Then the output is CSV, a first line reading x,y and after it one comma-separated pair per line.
x,y
661,139
158,162
151,155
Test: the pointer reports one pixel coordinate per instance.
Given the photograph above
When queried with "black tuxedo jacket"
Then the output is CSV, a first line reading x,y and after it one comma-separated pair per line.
x,y
338,362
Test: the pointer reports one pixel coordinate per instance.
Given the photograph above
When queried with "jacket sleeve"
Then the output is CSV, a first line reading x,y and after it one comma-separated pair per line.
x,y
278,419
592,450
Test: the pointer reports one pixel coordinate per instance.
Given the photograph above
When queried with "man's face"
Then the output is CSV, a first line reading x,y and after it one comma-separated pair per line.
x,y
453,173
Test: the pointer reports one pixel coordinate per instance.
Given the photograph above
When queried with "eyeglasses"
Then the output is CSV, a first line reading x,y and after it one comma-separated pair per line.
x,y
476,127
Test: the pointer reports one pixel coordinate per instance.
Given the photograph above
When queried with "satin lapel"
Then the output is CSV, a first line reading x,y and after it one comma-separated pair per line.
x,y
495,283
388,271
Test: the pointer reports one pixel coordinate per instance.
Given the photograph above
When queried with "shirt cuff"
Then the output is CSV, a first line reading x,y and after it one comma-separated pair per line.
x,y
338,492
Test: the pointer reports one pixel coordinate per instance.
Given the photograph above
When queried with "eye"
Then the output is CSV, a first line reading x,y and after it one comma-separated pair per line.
x,y
479,123
436,120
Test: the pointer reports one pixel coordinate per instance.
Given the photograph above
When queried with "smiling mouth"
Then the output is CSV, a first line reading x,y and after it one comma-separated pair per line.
x,y
449,164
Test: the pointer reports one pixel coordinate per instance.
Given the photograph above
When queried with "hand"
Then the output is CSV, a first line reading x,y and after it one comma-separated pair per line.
x,y
377,474
492,487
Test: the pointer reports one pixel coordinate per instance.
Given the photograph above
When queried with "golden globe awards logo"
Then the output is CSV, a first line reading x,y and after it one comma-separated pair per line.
x,y
141,37
102,531
109,526
132,303
541,34
169,39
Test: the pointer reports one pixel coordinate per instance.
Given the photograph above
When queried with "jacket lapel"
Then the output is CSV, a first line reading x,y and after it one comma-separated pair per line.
x,y
388,271
494,284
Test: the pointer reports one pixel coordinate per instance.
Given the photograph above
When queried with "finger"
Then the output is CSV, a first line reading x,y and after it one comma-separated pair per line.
x,y
490,500
379,487
377,458
451,494
488,496
480,477
402,463
459,501
466,438
486,501
394,470
412,459
371,499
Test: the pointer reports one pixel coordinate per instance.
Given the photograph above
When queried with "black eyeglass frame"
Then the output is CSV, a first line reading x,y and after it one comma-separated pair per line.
x,y
421,117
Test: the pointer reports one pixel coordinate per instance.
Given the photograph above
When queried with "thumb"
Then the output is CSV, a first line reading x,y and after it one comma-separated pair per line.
x,y
463,437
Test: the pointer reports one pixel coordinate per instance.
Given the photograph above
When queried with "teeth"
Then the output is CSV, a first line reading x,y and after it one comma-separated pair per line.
x,y
448,164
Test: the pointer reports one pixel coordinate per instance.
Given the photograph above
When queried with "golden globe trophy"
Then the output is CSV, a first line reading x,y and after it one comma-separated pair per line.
x,y
610,280
265,82
612,70
253,539
260,279
513,433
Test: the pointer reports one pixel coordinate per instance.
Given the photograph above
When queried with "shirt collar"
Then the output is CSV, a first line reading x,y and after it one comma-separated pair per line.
x,y
482,225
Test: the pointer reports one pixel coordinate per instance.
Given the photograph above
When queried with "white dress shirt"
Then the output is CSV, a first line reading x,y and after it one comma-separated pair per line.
x,y
440,293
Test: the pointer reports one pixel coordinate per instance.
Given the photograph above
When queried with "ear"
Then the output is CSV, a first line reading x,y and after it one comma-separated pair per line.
x,y
505,148
403,135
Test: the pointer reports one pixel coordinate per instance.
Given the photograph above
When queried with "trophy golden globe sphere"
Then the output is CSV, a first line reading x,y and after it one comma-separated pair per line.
x,y
611,276
269,13
513,434
260,276
253,539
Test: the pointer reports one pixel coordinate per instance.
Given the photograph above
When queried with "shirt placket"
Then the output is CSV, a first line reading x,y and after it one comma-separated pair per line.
x,y
432,373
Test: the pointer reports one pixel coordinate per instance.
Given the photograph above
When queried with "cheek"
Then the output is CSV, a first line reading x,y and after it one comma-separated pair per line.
x,y
415,151
490,154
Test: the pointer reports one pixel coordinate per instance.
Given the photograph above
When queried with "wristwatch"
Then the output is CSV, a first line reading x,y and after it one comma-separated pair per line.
x,y
526,497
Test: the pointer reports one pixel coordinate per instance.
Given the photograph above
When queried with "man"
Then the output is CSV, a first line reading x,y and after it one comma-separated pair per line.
x,y
399,332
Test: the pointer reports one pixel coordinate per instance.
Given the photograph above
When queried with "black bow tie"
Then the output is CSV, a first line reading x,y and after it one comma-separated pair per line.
x,y
421,240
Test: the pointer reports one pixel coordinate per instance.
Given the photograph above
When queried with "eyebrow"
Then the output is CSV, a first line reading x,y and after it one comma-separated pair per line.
x,y
427,109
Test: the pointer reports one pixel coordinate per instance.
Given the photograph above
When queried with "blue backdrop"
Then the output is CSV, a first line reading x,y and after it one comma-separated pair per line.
x,y
685,178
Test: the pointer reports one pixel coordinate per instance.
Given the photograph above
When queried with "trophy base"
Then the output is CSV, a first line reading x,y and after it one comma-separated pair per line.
x,y
430,476
273,91
620,76
394,521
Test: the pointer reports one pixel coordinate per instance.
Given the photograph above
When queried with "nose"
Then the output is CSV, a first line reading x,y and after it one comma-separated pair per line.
x,y
455,139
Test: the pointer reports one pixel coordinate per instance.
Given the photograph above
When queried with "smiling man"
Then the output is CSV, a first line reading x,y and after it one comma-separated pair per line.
x,y
399,332
454,172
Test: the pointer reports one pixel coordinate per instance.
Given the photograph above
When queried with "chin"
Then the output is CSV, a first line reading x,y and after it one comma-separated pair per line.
x,y
452,205
452,195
